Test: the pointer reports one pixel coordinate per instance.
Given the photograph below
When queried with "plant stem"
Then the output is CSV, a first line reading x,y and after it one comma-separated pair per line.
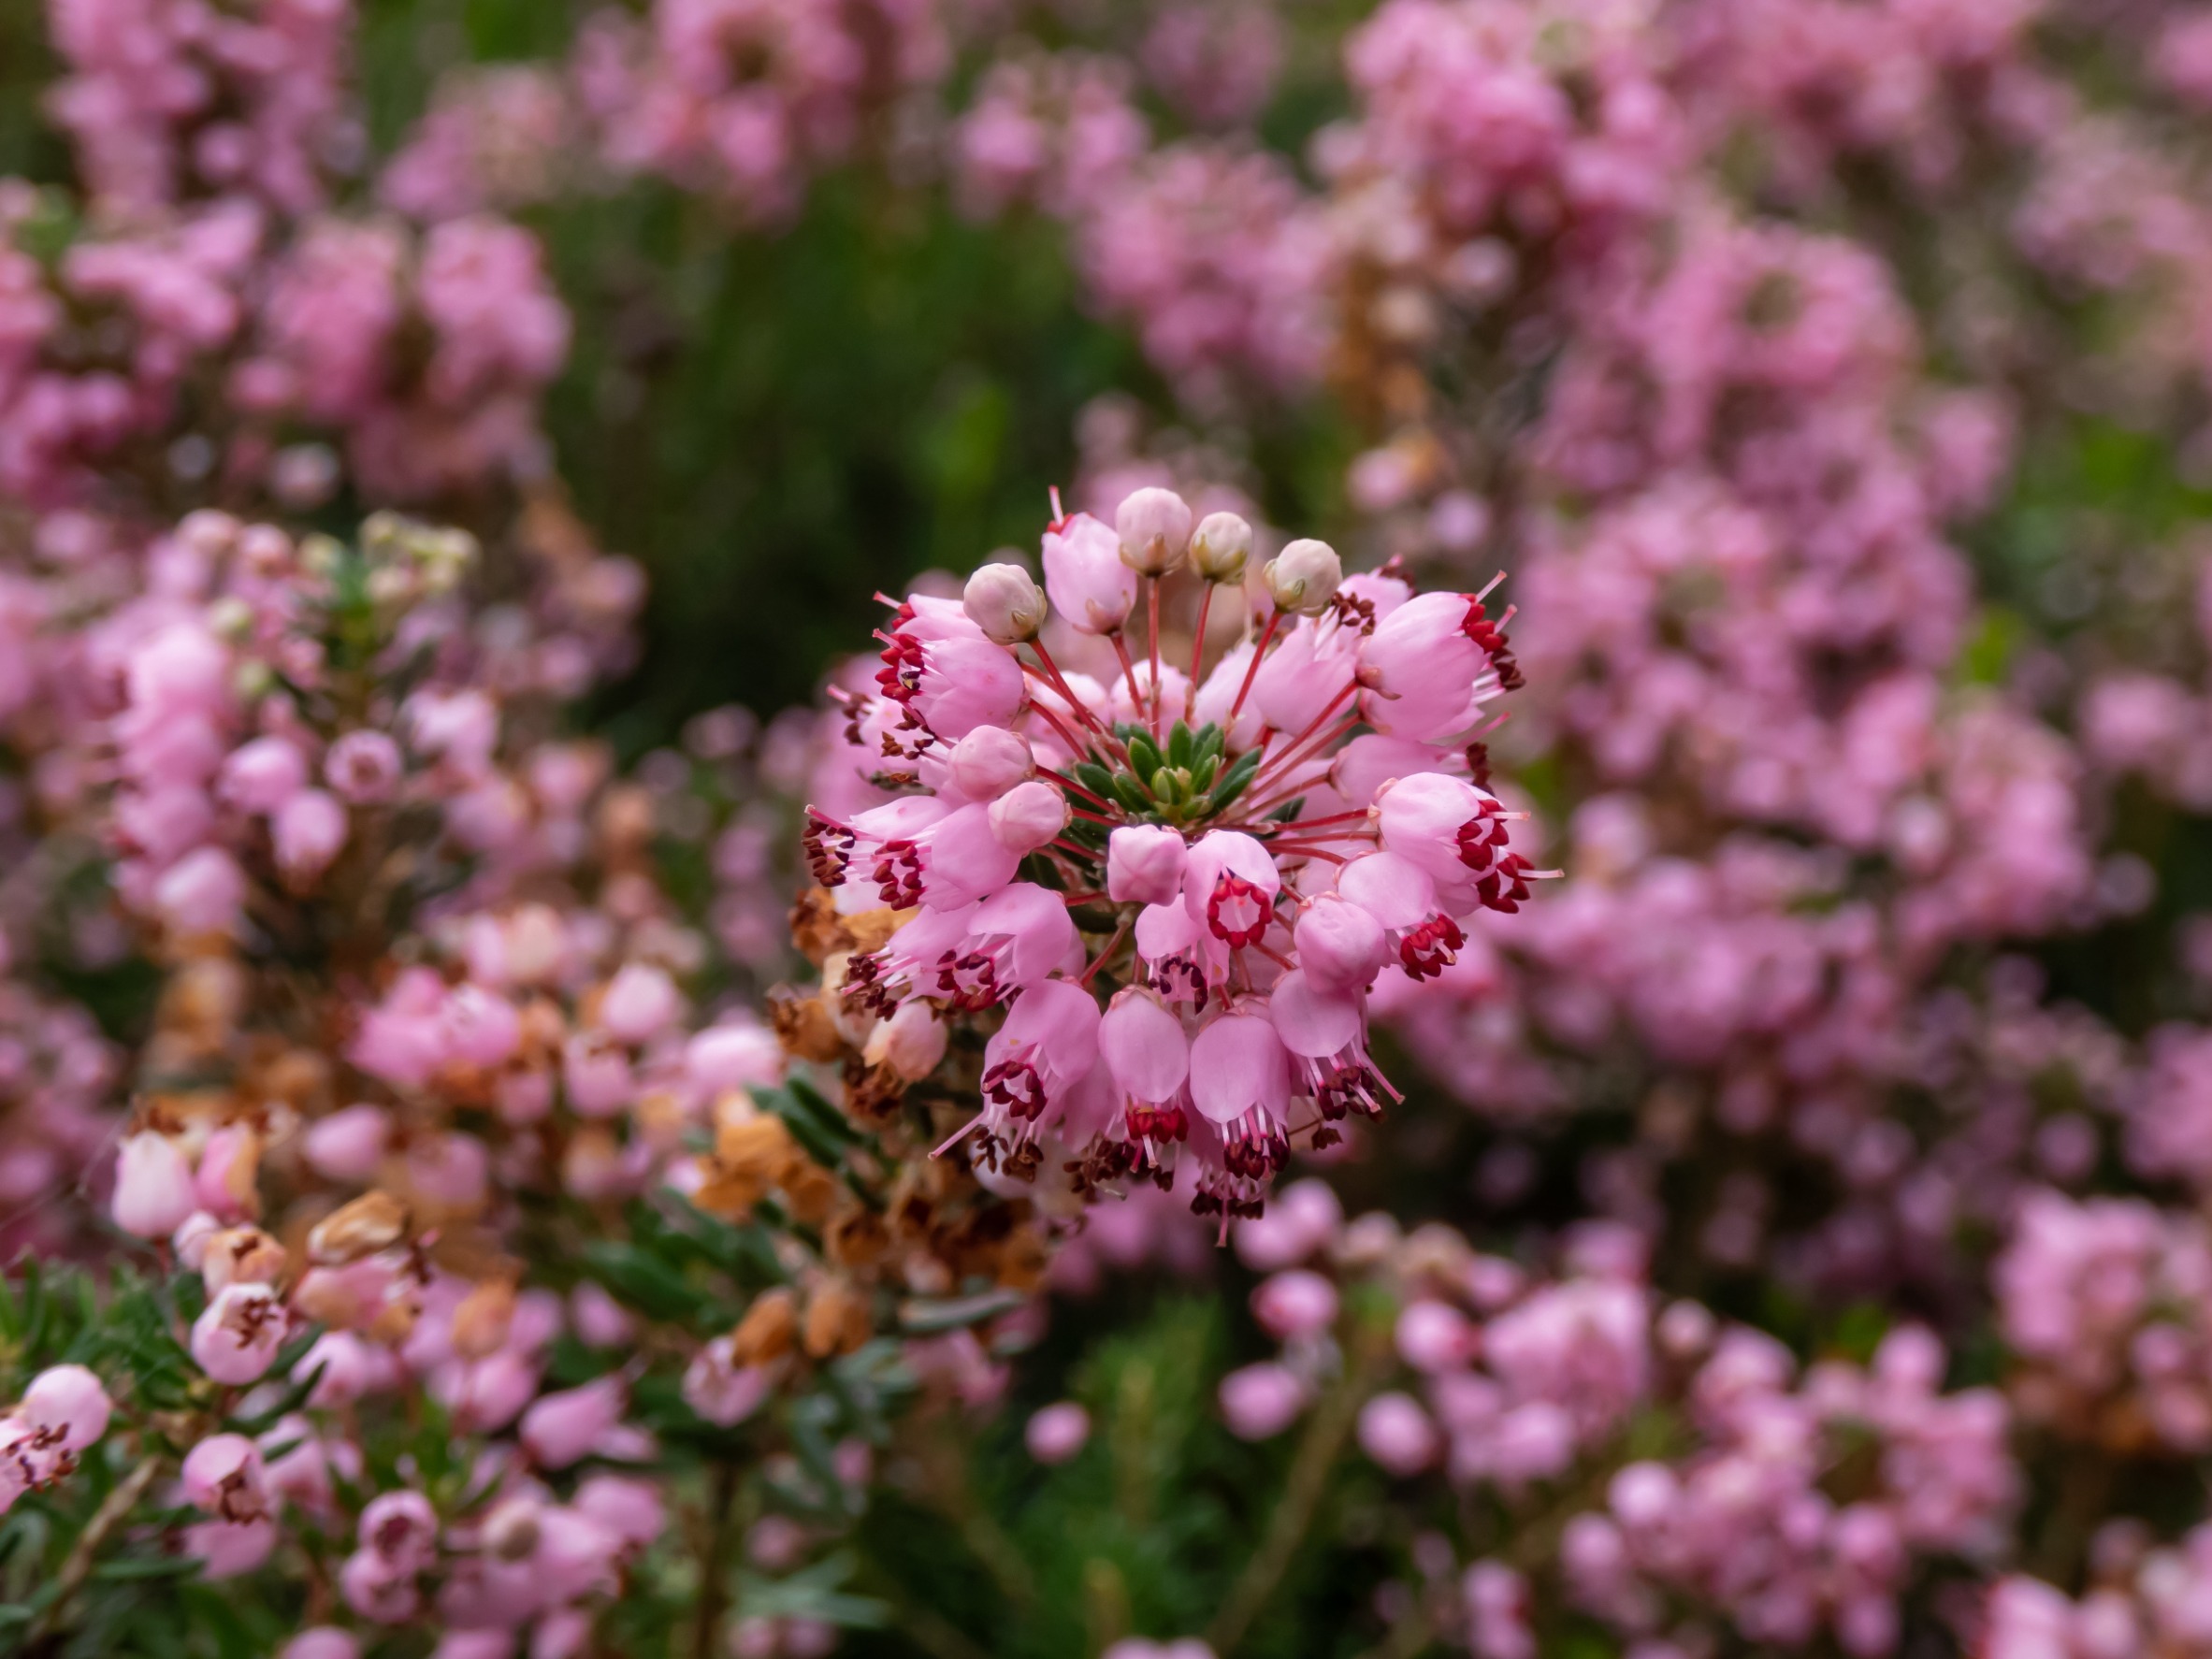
x,y
1318,1450
78,1568
714,1596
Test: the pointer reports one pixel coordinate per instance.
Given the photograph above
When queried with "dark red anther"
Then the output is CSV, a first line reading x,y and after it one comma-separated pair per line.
x,y
1427,950
1015,1085
1234,889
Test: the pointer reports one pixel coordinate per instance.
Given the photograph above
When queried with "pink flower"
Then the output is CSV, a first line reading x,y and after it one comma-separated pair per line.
x,y
262,776
1144,864
560,1428
1396,1434
639,1002
222,1476
1425,671
1085,577
154,1186
201,893
1047,1046
306,833
1057,1433
66,1404
1260,1401
1150,1057
400,1529
988,761
1028,816
721,1391
1434,1336
364,768
1296,1303
235,1339
348,1145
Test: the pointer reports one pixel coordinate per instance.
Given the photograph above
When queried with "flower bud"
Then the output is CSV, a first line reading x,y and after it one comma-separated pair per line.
x,y
911,1042
1154,525
66,1405
1260,1401
988,761
1006,602
639,1002
261,775
153,1187
1218,549
1144,864
560,1428
1303,577
1057,1433
1294,1304
308,832
1396,1434
374,1221
348,1145
1028,816
241,1256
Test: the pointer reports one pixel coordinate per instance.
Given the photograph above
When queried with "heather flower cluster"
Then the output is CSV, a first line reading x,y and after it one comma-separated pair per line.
x,y
482,1260
1211,851
1679,1478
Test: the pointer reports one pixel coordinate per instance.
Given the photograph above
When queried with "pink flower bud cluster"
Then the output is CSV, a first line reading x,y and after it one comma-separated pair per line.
x,y
167,102
2142,1597
1733,1520
1214,852
744,99
2108,1304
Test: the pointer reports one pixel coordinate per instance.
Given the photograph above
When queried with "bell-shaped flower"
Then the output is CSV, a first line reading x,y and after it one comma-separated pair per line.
x,y
154,1186
1427,678
1171,946
960,685
261,775
236,1340
1451,829
1084,576
639,1004
1230,887
1240,1070
1342,945
1324,1029
66,1405
1146,1050
1015,939
1308,675
960,859
1400,896
1048,1045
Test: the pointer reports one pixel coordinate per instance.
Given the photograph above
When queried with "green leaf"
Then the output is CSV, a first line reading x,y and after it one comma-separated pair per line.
x,y
1234,780
1180,745
817,1106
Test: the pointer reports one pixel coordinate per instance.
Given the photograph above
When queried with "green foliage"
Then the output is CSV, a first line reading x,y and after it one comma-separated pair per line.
x,y
1154,1528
